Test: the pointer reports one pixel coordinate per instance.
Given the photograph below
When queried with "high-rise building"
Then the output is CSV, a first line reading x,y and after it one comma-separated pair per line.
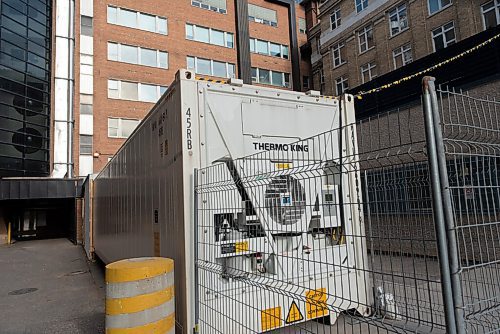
x,y
354,41
127,52
25,87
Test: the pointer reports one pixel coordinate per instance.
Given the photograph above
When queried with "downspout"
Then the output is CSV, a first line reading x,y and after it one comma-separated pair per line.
x,y
64,89
71,86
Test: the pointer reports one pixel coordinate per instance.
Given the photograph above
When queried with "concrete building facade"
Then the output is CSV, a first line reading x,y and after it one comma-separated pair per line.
x,y
128,52
353,41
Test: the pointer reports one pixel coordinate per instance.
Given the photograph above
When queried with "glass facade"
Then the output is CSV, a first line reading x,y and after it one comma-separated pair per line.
x,y
25,38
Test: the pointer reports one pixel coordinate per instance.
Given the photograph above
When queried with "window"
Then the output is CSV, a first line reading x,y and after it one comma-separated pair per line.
x,y
341,85
262,47
305,82
491,14
211,67
302,25
209,35
262,15
398,19
443,36
322,80
338,52
402,56
269,77
365,37
85,145
86,109
137,20
121,127
218,6
137,55
318,44
437,5
335,19
368,72
268,48
361,4
134,91
86,26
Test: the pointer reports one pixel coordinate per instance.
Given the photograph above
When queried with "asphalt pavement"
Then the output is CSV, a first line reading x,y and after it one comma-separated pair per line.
x,y
48,286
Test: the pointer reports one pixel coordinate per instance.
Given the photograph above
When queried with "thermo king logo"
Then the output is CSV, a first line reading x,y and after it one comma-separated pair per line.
x,y
281,147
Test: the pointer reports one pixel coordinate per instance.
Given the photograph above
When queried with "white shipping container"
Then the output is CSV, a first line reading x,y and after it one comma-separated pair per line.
x,y
144,197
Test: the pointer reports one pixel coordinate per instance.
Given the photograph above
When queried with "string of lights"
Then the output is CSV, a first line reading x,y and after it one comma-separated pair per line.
x,y
420,73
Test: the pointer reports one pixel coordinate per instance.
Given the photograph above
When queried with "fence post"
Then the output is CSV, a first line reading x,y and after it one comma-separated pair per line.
x,y
453,254
439,221
196,278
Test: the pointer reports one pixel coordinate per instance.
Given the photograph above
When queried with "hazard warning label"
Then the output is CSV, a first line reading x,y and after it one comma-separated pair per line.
x,y
294,314
270,318
316,303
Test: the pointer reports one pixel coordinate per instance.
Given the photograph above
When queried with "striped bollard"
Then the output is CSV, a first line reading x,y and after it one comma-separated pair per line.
x,y
140,296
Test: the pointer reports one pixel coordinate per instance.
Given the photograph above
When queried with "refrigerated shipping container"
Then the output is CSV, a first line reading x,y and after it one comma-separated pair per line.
x,y
144,201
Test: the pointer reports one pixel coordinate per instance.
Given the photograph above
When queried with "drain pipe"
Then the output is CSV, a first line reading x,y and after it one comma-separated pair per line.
x,y
71,86
64,89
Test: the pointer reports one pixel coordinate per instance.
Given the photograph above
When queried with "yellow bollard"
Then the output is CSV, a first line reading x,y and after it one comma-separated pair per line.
x,y
140,296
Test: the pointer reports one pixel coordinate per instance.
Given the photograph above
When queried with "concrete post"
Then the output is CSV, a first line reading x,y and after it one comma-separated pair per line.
x,y
140,296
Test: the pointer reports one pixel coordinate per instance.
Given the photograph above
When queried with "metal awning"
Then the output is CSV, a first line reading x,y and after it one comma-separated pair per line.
x,y
39,188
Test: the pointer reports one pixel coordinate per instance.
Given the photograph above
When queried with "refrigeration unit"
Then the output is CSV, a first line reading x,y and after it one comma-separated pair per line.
x,y
278,249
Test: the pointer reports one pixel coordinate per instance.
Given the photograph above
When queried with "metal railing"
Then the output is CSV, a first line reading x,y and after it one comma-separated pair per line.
x,y
388,224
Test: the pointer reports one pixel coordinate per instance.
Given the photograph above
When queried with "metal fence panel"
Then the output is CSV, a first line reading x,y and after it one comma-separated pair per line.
x,y
337,233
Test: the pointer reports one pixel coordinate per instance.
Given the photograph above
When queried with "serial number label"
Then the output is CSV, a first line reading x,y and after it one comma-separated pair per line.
x,y
189,139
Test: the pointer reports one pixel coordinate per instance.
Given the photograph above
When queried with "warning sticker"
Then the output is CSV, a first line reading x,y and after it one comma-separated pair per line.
x,y
242,246
270,318
294,314
234,247
316,303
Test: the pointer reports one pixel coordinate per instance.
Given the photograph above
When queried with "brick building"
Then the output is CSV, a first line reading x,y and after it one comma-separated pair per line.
x,y
354,41
127,52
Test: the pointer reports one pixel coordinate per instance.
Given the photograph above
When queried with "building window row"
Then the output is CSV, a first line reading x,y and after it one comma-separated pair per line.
x,y
211,67
491,14
121,127
137,20
268,48
269,77
398,19
443,36
218,6
134,91
137,55
262,15
209,35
